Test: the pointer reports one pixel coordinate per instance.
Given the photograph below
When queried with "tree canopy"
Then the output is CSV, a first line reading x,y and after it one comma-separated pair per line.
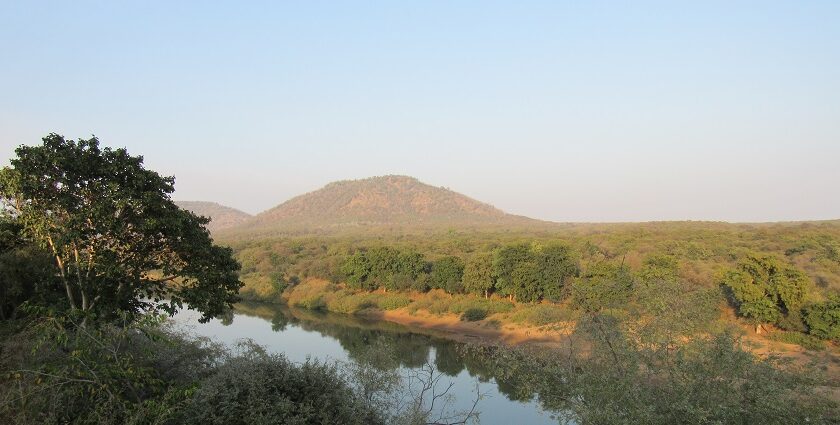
x,y
765,289
117,241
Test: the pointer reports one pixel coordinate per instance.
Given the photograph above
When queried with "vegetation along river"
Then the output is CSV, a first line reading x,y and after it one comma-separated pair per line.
x,y
301,334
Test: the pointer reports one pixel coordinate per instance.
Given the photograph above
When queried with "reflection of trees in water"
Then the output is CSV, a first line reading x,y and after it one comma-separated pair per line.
x,y
410,350
447,358
616,382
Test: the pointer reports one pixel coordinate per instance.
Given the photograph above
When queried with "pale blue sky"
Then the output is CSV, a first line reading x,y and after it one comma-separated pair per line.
x,y
567,111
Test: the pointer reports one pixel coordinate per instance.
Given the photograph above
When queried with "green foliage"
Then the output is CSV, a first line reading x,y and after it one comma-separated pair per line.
x,y
556,266
315,302
384,267
803,340
26,272
823,319
392,301
765,289
659,267
56,372
474,315
446,274
543,314
343,302
492,306
670,308
269,389
505,262
603,286
478,274
119,242
530,273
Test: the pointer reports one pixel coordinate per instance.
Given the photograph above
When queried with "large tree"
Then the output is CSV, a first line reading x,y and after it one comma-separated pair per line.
x,y
447,273
478,274
765,289
118,242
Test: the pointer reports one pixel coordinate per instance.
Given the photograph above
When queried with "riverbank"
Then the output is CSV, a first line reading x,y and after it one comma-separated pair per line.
x,y
549,325
491,330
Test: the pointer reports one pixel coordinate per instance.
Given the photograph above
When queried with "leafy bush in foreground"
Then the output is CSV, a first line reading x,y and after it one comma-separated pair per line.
x,y
823,319
474,315
269,389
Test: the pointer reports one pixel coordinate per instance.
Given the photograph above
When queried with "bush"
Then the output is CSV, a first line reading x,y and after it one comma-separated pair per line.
x,y
310,294
440,306
474,315
392,301
349,303
314,302
269,389
598,293
803,340
823,319
462,304
543,314
99,375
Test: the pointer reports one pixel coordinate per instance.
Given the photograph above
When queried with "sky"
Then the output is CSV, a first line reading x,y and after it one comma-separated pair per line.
x,y
565,111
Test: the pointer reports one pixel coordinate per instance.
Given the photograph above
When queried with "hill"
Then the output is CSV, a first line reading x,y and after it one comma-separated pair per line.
x,y
221,217
387,202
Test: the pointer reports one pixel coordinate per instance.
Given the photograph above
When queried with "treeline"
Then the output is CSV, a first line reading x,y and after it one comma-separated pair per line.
x,y
521,272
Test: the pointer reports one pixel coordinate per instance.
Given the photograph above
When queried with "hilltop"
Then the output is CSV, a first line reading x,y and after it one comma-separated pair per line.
x,y
221,217
393,202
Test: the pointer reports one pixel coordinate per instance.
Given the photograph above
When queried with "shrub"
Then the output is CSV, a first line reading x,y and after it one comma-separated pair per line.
x,y
392,301
462,304
474,315
349,303
598,293
270,389
543,314
803,340
440,306
823,319
314,302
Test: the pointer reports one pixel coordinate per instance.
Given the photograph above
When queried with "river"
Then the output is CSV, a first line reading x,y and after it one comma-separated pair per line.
x,y
300,334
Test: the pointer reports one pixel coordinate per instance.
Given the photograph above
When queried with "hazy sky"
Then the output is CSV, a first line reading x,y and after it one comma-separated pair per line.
x,y
567,111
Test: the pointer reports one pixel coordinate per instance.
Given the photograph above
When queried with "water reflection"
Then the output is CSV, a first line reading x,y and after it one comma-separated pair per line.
x,y
510,399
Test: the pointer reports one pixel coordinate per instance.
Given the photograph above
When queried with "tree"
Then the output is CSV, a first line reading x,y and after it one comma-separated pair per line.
x,y
526,281
25,272
765,289
823,319
603,285
505,260
659,268
556,267
357,270
447,273
118,242
478,274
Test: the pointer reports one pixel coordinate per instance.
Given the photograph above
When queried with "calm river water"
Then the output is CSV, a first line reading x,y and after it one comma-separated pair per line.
x,y
301,334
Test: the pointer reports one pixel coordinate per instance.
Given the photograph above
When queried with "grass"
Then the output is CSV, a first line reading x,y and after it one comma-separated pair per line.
x,y
806,341
392,301
543,314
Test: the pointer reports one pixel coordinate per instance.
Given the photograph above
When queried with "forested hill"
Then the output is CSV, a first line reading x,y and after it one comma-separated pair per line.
x,y
396,202
221,217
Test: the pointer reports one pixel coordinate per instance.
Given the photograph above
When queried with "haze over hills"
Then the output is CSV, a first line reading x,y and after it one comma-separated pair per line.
x,y
221,217
387,202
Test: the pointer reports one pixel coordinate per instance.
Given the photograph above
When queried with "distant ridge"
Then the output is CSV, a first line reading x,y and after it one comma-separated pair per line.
x,y
377,202
221,217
